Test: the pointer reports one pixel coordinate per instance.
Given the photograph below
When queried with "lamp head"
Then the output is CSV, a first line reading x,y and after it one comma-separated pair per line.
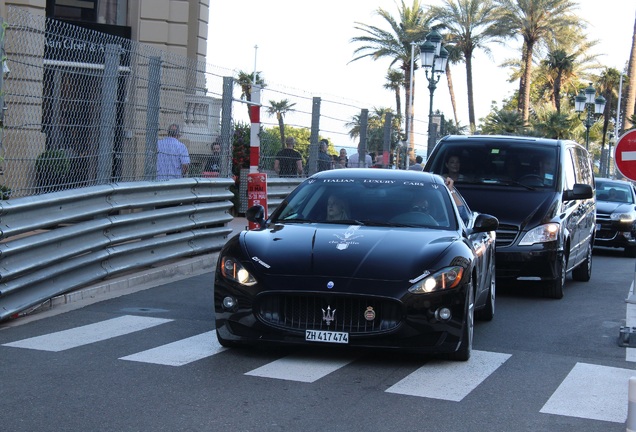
x,y
579,102
590,94
599,105
427,49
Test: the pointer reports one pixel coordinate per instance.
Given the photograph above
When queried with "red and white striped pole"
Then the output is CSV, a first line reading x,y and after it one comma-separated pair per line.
x,y
256,182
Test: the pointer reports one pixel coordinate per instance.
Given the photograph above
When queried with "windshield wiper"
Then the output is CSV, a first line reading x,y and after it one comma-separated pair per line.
x,y
294,220
516,183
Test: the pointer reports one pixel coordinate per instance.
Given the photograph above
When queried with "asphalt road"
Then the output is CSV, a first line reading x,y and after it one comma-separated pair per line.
x,y
149,361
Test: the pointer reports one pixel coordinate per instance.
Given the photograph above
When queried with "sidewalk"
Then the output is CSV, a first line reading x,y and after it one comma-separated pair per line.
x,y
128,283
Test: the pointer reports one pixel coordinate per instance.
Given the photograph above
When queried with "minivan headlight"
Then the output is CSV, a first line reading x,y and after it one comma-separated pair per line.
x,y
541,234
233,270
446,278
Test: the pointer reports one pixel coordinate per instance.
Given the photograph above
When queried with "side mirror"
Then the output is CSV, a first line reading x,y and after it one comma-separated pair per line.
x,y
579,191
485,223
256,214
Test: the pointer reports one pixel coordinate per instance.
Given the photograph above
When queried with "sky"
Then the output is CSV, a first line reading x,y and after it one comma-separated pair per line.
x,y
303,50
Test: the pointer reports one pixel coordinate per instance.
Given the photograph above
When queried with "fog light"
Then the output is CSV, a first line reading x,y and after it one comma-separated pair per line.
x,y
443,314
229,303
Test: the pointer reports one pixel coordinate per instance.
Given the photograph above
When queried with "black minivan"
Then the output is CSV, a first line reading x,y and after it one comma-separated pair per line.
x,y
542,192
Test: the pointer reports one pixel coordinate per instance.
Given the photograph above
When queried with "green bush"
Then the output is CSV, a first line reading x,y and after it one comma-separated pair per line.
x,y
53,163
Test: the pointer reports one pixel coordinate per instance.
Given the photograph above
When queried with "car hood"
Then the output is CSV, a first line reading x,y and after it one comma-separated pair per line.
x,y
345,251
609,207
512,206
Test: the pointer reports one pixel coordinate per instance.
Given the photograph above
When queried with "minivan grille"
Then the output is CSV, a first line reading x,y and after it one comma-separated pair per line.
x,y
506,235
352,314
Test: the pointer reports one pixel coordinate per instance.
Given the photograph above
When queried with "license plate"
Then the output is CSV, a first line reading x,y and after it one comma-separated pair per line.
x,y
326,336
598,227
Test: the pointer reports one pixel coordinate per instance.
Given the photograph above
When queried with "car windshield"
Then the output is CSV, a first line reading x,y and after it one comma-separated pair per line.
x,y
614,192
528,166
373,202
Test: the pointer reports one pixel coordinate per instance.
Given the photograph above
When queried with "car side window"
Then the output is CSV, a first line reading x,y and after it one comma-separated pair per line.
x,y
568,168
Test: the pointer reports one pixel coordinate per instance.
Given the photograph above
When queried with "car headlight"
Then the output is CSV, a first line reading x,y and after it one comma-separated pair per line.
x,y
541,234
446,278
622,217
233,270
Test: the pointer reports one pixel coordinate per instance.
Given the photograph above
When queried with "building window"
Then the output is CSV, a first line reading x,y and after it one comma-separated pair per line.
x,y
112,12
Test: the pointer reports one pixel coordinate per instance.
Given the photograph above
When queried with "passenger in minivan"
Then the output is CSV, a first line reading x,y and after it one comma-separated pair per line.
x,y
453,165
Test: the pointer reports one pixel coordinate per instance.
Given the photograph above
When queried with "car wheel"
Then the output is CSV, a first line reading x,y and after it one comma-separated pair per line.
x,y
630,251
583,271
555,288
466,345
488,311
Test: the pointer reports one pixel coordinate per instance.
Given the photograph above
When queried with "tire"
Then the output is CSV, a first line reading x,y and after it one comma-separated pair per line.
x,y
583,272
487,313
466,345
630,252
554,289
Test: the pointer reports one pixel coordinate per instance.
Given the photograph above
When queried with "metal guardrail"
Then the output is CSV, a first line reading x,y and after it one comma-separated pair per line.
x,y
57,242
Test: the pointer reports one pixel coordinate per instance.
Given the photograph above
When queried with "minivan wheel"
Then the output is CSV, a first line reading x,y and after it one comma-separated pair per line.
x,y
487,313
583,271
555,288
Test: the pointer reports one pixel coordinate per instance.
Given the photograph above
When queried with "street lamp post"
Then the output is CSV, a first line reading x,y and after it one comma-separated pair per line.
x,y
434,58
594,106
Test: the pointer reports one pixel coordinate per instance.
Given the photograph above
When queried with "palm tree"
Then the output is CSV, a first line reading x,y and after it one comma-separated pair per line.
x,y
567,62
375,129
561,65
470,24
245,81
550,123
534,20
454,57
631,87
395,83
279,109
608,85
395,44
503,122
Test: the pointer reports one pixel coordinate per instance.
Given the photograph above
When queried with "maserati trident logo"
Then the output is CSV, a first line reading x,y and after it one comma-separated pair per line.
x,y
328,316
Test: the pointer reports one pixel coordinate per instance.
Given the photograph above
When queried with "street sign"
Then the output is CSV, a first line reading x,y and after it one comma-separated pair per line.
x,y
625,154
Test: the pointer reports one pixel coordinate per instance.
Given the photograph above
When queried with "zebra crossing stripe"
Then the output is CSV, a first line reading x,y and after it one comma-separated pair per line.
x,y
448,380
180,352
303,368
592,392
78,336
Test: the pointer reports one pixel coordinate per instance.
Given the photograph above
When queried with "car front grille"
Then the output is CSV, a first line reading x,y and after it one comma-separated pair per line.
x,y
605,231
352,314
506,235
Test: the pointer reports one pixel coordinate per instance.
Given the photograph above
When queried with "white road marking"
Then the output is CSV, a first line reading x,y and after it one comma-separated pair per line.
x,y
450,380
592,392
303,368
78,336
180,352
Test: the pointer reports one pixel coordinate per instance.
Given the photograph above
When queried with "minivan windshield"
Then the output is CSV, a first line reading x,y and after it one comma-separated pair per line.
x,y
528,166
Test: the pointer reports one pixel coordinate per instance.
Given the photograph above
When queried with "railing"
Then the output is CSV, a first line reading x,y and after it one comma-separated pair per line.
x,y
57,242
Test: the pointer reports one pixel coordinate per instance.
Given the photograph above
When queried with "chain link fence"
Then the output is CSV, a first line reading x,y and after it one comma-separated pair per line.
x,y
83,108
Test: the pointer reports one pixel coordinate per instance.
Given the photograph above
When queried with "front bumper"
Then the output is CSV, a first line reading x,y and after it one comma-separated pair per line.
x,y
281,317
536,263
